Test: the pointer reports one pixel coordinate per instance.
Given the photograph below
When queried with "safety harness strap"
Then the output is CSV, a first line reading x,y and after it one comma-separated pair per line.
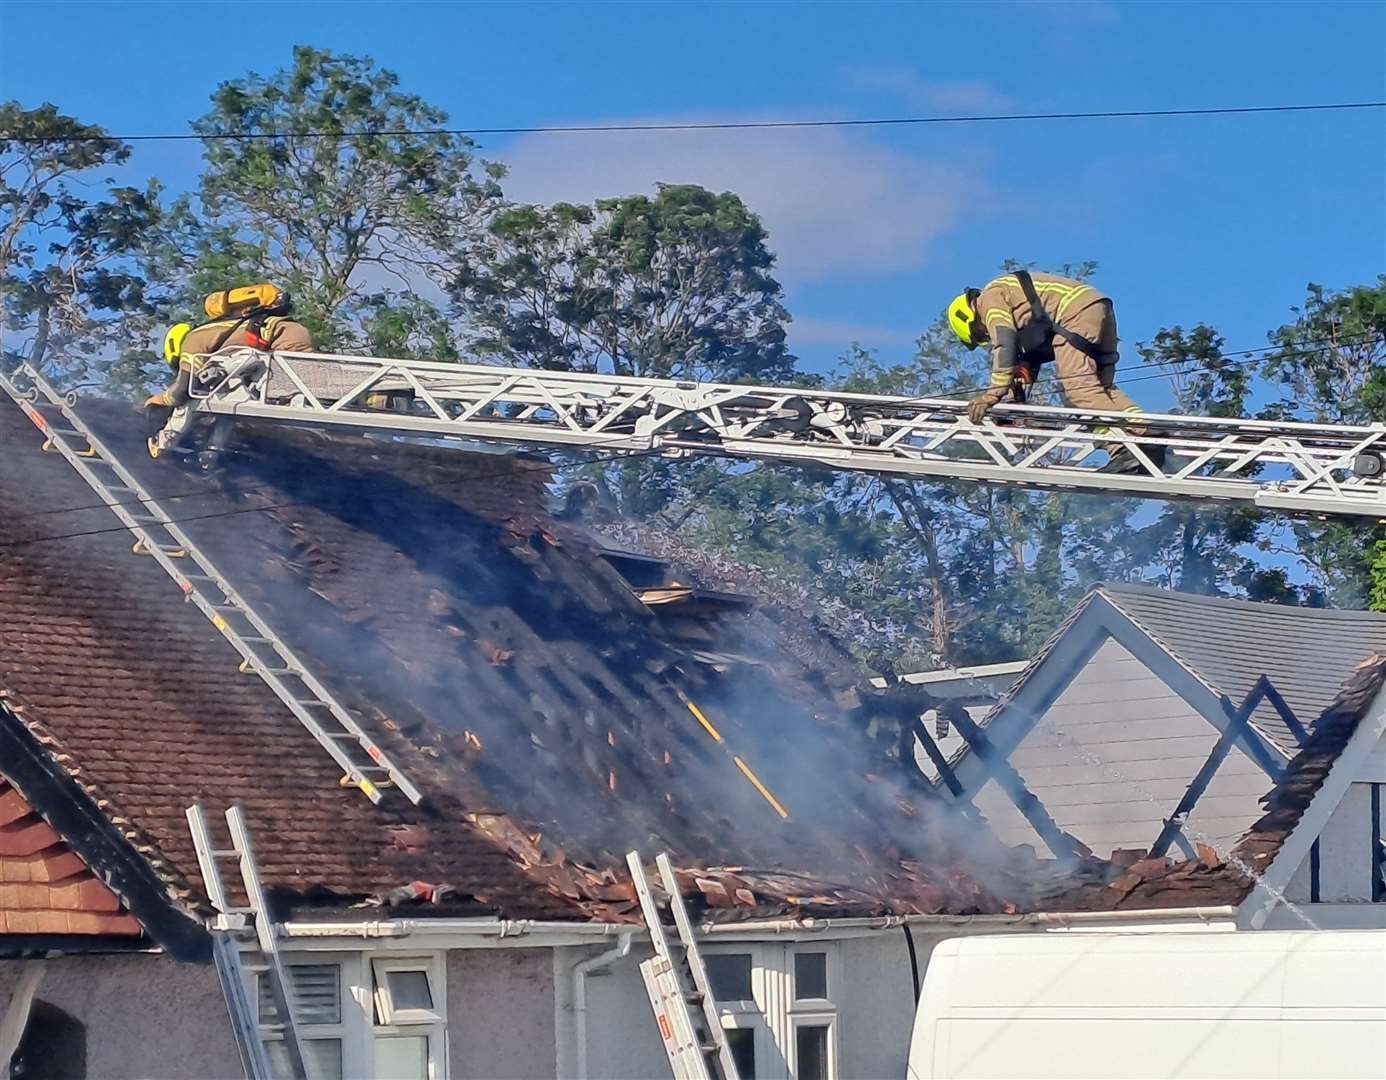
x,y
1043,329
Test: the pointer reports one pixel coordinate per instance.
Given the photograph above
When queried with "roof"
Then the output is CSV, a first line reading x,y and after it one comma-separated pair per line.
x,y
552,719
1226,645
45,887
1306,652
1213,880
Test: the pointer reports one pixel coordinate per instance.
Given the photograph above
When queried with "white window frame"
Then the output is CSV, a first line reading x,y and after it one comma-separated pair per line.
x,y
357,1029
382,966
429,1023
812,1019
774,1013
350,1029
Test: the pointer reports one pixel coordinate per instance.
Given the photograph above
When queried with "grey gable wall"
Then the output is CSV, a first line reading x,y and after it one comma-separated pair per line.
x,y
1114,740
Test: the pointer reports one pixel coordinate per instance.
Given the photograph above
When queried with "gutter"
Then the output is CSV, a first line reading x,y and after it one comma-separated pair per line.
x,y
859,926
580,972
551,933
499,929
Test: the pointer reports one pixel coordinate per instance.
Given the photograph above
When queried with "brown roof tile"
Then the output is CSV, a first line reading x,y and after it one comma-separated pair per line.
x,y
543,708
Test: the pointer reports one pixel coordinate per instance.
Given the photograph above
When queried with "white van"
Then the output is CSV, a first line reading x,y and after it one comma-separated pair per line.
x,y
1251,1004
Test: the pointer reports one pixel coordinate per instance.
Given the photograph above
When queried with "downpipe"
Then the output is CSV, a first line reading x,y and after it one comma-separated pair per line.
x,y
580,972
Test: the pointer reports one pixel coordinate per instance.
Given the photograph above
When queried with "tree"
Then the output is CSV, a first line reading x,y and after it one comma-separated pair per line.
x,y
1193,547
678,285
329,180
67,239
1330,365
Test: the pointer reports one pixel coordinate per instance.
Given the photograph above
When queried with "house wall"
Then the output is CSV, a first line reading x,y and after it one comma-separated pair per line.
x,y
500,1014
1113,756
1345,844
145,1016
871,992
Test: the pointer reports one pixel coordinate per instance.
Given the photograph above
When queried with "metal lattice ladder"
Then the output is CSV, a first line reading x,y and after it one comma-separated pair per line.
x,y
247,930
364,764
1327,469
677,983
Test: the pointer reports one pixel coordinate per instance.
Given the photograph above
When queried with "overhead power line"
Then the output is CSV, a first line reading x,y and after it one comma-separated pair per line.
x,y
711,125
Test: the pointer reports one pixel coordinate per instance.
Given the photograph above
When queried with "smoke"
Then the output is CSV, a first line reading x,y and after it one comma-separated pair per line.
x,y
524,677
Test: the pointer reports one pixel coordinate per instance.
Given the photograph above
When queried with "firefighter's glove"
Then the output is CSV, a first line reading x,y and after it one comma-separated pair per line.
x,y
983,402
155,400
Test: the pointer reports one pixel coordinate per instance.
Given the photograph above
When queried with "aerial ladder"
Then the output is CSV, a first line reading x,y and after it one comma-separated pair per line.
x,y
1328,470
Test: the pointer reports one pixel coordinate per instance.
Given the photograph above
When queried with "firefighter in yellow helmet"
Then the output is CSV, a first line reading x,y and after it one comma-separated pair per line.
x,y
188,349
1029,319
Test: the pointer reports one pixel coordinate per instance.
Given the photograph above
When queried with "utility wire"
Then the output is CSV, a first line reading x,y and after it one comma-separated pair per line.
x,y
727,125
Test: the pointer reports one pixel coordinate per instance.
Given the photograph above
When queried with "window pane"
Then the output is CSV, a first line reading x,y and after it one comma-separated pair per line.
x,y
742,1042
810,975
811,1049
315,990
730,976
409,990
401,1057
323,1058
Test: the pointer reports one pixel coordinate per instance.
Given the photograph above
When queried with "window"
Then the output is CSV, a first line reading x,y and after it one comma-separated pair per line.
x,y
403,992
730,976
742,1042
380,1017
810,976
315,995
409,1029
776,1007
812,1051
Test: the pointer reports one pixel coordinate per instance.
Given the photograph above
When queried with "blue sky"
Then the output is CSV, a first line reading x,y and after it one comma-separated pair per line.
x,y
1219,219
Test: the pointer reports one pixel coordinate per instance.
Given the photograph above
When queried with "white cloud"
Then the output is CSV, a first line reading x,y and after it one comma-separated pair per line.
x,y
835,202
904,84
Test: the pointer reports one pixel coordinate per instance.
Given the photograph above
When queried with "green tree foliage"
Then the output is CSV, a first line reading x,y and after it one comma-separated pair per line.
x,y
916,573
347,222
68,237
1190,546
1330,367
678,285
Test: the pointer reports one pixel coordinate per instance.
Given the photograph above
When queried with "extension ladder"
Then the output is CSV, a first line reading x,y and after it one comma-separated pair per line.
x,y
1325,469
232,935
364,764
676,981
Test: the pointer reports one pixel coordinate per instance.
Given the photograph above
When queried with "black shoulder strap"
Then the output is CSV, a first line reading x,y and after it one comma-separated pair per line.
x,y
1027,286
1039,316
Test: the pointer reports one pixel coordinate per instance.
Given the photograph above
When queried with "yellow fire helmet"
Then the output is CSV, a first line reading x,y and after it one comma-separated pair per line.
x,y
173,343
963,320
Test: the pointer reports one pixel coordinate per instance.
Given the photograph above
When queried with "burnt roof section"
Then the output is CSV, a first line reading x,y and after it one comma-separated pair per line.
x,y
139,700
518,679
1212,880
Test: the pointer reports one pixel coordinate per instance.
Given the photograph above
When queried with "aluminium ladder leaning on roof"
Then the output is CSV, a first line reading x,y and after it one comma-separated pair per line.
x,y
364,764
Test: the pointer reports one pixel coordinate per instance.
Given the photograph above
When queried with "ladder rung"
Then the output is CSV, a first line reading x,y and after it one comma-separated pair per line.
x,y
312,703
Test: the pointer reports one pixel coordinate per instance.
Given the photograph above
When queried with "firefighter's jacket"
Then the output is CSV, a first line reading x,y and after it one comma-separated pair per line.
x,y
276,333
1005,311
